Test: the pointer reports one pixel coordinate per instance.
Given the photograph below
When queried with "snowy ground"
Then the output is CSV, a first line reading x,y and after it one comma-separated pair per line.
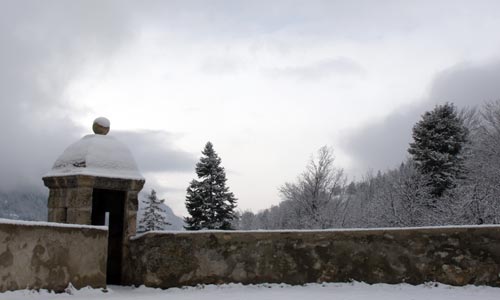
x,y
344,291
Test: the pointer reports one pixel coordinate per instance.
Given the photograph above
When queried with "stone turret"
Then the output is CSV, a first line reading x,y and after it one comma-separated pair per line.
x,y
96,181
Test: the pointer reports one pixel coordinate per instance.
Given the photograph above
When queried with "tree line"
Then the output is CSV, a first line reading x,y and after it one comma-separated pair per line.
x,y
450,177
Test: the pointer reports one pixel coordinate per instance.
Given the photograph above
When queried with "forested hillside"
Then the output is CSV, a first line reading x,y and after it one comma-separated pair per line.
x,y
451,177
24,204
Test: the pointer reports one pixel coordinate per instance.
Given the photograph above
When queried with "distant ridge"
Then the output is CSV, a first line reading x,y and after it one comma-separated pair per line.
x,y
177,223
30,204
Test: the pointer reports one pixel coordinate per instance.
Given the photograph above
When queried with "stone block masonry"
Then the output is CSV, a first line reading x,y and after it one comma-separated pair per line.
x,y
39,255
451,255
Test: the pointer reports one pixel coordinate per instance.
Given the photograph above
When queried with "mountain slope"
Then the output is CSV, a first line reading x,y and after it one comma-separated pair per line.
x,y
177,223
24,204
31,205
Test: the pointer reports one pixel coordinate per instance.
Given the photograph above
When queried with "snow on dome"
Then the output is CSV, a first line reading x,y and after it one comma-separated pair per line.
x,y
104,122
97,155
101,126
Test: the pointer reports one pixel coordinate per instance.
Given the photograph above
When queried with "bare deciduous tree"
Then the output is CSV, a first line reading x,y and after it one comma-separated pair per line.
x,y
316,195
477,197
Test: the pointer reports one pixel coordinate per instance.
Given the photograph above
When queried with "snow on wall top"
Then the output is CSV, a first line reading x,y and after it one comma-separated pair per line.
x,y
49,224
97,155
370,229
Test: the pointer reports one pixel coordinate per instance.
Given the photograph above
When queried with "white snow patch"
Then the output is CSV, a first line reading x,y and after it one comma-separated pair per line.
x,y
97,155
317,291
49,224
318,230
102,121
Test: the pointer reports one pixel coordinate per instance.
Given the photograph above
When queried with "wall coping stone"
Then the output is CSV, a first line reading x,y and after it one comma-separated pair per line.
x,y
430,229
49,224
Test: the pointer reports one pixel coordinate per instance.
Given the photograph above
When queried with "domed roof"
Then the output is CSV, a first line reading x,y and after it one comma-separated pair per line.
x,y
97,155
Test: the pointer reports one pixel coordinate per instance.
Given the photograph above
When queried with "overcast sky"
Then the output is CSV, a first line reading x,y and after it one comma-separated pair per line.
x,y
268,82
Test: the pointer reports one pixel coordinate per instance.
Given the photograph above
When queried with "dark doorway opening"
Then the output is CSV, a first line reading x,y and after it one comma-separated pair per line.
x,y
108,209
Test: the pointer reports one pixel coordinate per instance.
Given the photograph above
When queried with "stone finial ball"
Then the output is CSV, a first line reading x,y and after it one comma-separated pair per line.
x,y
101,126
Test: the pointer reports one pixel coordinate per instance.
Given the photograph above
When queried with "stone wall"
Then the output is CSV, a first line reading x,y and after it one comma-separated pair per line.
x,y
457,256
39,255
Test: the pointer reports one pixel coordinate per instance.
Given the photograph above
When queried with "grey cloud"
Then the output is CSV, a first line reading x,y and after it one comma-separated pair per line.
x,y
162,189
383,144
220,66
467,84
42,46
380,145
45,43
321,69
154,151
356,19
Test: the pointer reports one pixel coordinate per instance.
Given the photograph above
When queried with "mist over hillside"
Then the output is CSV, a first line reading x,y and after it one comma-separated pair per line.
x,y
176,222
30,204
24,204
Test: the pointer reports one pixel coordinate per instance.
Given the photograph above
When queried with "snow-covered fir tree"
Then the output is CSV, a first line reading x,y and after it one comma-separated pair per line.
x,y
209,202
153,218
439,140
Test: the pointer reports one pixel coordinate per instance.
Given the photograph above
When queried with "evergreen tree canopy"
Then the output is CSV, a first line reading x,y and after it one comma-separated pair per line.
x,y
208,200
439,140
153,218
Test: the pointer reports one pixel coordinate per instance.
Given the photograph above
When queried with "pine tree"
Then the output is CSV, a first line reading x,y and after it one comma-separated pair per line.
x,y
439,140
153,218
208,200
